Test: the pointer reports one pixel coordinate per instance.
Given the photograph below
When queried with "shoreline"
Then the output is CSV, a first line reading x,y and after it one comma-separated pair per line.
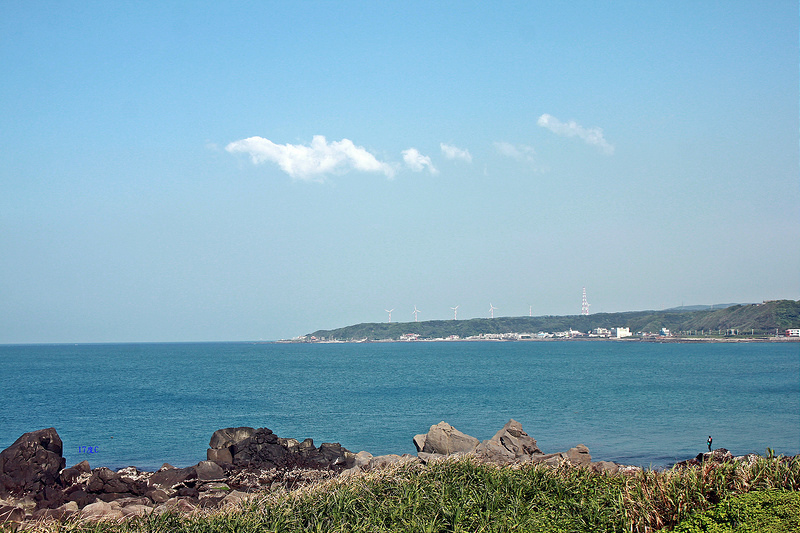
x,y
245,462
671,339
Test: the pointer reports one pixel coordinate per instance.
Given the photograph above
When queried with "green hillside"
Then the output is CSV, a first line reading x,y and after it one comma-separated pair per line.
x,y
762,319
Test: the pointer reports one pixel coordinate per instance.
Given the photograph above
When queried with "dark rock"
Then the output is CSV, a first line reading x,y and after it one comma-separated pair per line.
x,y
211,502
261,448
222,456
225,438
444,439
336,456
116,485
187,491
98,479
167,479
81,498
69,476
9,513
207,470
60,513
53,497
158,496
32,462
140,500
83,467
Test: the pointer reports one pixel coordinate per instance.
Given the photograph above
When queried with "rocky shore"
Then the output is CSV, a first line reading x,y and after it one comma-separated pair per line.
x,y
35,484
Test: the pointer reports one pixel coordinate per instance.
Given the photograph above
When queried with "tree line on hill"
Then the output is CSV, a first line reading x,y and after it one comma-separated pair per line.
x,y
759,319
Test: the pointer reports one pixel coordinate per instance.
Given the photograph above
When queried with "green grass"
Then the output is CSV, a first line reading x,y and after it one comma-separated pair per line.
x,y
755,512
465,495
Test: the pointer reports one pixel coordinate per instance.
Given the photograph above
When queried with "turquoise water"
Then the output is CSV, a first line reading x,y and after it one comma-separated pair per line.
x,y
631,402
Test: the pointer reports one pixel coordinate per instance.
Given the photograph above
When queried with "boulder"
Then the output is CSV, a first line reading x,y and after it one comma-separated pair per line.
x,y
60,513
208,470
383,461
158,496
514,439
362,459
430,457
604,467
493,451
552,459
222,456
136,510
335,455
510,444
71,475
579,455
167,479
32,462
419,441
225,438
101,510
444,439
81,498
99,478
233,498
260,449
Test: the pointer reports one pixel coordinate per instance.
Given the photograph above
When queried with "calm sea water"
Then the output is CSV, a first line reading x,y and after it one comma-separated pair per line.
x,y
631,402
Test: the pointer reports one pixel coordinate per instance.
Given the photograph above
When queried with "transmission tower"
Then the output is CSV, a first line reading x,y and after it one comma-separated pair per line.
x,y
584,304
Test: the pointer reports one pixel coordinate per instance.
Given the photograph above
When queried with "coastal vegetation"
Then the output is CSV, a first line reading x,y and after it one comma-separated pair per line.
x,y
756,319
467,495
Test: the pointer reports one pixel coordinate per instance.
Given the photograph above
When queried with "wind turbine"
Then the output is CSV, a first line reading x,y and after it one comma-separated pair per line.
x,y
455,312
390,314
491,309
415,313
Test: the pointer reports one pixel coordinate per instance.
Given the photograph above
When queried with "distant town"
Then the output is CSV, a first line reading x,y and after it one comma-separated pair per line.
x,y
768,321
597,333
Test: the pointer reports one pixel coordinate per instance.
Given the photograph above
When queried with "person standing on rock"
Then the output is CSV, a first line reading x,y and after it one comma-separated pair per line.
x,y
709,443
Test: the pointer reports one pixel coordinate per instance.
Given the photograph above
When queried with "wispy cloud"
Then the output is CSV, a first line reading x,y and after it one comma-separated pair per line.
x,y
592,136
453,152
520,152
312,162
417,162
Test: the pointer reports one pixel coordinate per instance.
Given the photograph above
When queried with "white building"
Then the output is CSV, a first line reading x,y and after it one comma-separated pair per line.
x,y
619,333
793,332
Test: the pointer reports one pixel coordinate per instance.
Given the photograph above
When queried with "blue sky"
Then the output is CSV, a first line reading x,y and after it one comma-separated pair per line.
x,y
190,171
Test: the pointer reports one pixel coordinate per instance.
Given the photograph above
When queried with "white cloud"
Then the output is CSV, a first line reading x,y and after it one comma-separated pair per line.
x,y
417,162
311,162
573,129
453,152
520,152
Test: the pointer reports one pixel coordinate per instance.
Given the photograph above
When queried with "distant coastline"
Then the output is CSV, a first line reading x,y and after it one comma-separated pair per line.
x,y
769,321
670,339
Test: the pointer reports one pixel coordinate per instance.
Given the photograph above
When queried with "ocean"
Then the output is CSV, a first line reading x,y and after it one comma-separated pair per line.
x,y
640,403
